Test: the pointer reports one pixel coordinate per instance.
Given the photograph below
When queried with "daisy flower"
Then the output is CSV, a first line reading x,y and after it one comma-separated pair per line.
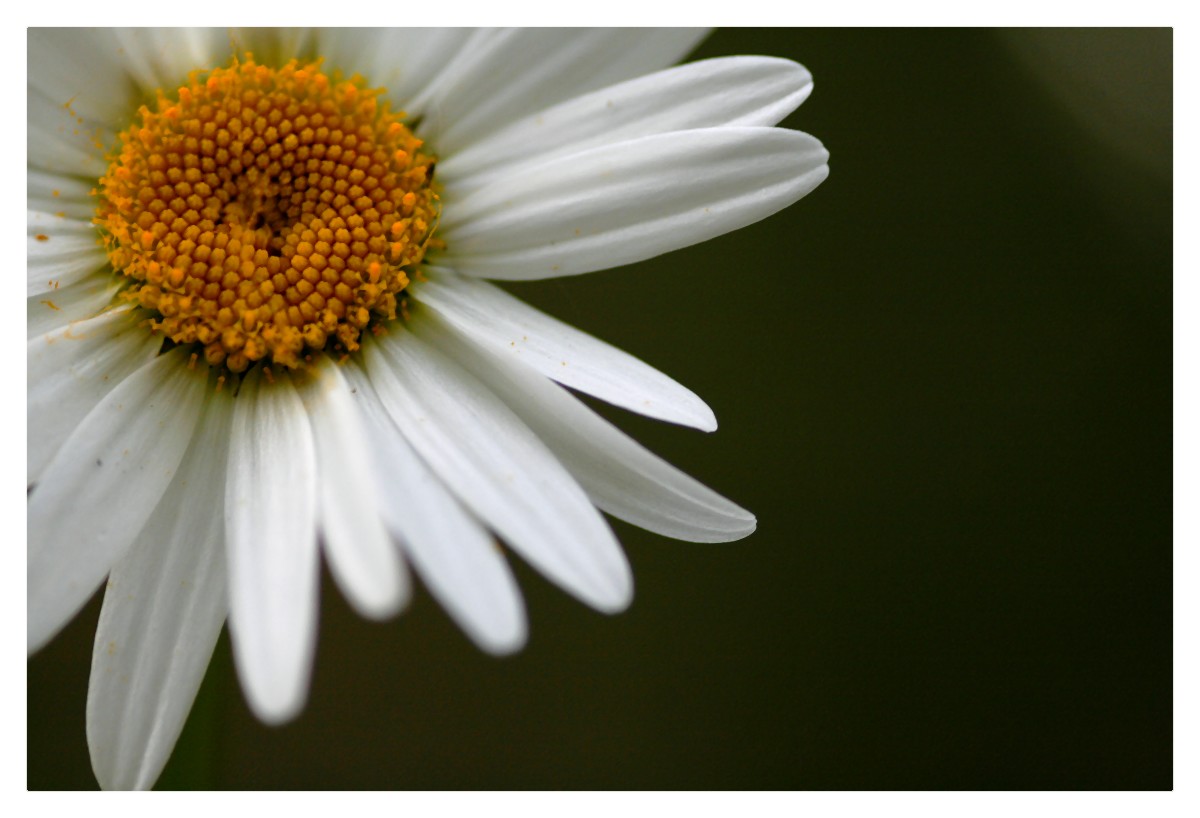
x,y
261,332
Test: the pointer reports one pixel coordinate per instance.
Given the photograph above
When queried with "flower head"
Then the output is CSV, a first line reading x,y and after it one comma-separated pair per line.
x,y
260,331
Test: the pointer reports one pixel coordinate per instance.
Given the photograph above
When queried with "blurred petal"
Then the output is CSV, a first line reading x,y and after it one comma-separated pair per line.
x,y
271,546
71,369
163,57
620,476
499,469
361,557
455,556
85,83
164,606
402,60
102,486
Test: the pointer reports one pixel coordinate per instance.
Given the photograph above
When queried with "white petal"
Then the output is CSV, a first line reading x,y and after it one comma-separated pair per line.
x,y
59,140
163,57
273,45
402,60
271,545
101,487
559,351
164,605
362,559
454,554
78,92
729,91
40,222
71,369
55,193
103,72
296,41
47,312
620,476
85,84
58,144
82,67
498,78
499,469
630,201
60,252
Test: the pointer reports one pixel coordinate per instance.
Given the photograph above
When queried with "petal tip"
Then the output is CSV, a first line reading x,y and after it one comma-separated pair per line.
x,y
693,413
750,528
503,644
277,707
41,628
616,600
381,606
742,525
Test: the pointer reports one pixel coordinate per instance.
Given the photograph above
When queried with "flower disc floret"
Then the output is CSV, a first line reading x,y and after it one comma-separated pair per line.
x,y
266,214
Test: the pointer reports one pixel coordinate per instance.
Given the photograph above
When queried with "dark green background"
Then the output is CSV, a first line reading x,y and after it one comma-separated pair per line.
x,y
944,387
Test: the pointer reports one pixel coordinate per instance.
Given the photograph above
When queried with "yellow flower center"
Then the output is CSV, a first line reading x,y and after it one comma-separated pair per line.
x,y
266,214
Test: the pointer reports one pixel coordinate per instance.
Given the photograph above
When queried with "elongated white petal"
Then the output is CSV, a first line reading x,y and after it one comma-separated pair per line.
x,y
55,193
83,69
71,369
102,486
362,559
102,72
450,549
84,84
62,256
163,57
51,225
620,476
47,312
729,91
79,91
630,201
273,45
499,469
56,143
271,545
510,73
402,60
559,351
164,605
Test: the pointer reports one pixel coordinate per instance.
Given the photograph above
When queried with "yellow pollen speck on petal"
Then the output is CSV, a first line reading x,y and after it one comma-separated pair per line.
x,y
267,213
